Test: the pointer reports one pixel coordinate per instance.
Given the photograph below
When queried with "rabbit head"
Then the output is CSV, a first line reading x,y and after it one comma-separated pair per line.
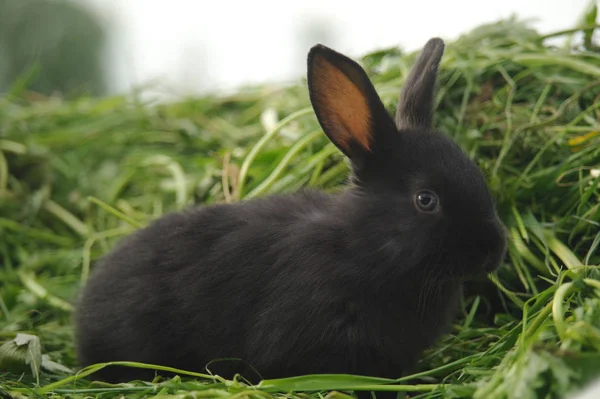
x,y
416,193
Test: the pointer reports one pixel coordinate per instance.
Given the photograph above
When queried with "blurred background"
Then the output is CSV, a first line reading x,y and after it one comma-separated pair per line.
x,y
186,47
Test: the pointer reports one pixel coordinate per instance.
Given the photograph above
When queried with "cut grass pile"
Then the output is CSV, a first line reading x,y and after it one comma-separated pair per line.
x,y
77,176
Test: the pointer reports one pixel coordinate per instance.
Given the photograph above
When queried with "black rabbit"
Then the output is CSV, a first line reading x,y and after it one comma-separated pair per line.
x,y
358,282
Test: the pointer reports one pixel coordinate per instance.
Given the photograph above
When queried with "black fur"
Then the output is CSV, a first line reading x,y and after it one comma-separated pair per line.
x,y
358,282
415,108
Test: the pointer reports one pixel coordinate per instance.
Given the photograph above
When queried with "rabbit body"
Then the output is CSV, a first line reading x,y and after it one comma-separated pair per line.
x,y
286,283
356,282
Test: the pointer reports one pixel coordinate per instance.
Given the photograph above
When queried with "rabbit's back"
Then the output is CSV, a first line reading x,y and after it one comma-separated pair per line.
x,y
187,288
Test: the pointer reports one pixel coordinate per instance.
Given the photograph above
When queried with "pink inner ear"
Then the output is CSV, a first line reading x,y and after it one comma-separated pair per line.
x,y
344,108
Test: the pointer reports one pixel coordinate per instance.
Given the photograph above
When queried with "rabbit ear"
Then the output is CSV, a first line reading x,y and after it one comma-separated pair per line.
x,y
345,102
415,107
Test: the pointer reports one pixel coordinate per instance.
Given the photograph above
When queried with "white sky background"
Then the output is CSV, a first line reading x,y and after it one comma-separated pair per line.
x,y
194,45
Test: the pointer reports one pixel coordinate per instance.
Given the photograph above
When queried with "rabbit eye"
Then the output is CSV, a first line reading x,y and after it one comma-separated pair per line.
x,y
426,201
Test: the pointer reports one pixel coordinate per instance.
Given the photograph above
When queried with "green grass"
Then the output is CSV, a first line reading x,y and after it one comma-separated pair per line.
x,y
77,176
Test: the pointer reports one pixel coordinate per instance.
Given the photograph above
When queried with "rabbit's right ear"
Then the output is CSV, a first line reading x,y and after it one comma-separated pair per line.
x,y
415,107
345,102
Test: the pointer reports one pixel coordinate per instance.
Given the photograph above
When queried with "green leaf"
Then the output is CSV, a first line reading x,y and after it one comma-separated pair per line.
x,y
325,382
585,365
590,19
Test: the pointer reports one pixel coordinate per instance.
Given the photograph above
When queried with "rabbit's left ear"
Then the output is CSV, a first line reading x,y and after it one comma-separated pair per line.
x,y
415,107
345,102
